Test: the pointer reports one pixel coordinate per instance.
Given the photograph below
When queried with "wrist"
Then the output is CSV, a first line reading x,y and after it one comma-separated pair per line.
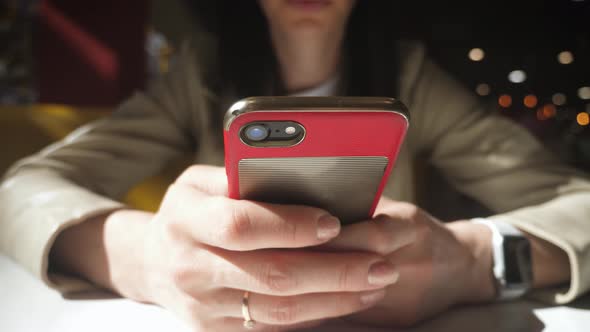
x,y
124,237
106,250
479,282
551,264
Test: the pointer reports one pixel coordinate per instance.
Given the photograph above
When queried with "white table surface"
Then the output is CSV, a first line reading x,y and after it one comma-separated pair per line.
x,y
27,305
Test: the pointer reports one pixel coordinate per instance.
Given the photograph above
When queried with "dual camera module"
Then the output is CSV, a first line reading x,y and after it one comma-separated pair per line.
x,y
272,133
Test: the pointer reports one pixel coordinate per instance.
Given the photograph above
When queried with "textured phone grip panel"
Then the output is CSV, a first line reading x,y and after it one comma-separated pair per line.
x,y
345,186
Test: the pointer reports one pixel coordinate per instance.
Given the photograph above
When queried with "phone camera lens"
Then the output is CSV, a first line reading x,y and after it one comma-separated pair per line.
x,y
256,133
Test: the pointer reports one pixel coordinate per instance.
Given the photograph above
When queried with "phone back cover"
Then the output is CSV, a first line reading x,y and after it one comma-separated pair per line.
x,y
341,165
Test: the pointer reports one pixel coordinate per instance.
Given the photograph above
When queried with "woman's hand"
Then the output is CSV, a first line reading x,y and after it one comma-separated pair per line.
x,y
439,265
201,251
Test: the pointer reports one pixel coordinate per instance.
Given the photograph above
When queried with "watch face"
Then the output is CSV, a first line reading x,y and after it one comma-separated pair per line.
x,y
517,260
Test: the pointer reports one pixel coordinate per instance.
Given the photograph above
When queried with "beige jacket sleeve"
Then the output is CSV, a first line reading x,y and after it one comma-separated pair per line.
x,y
499,163
84,174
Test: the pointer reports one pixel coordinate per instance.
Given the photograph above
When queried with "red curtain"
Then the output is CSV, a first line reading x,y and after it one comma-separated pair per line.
x,y
91,52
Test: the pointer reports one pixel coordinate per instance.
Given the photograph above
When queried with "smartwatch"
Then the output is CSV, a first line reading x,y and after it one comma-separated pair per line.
x,y
512,267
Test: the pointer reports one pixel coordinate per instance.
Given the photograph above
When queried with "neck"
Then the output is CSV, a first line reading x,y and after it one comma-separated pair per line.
x,y
306,58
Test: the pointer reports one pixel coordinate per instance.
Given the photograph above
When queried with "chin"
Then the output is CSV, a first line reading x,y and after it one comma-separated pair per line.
x,y
314,20
308,25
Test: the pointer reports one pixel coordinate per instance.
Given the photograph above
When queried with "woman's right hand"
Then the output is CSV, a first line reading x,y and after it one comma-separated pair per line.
x,y
202,251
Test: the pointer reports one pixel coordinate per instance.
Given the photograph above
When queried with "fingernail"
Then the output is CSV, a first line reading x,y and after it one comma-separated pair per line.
x,y
328,227
369,298
382,273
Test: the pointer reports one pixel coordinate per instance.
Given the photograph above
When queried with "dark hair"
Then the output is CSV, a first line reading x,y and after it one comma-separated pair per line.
x,y
245,64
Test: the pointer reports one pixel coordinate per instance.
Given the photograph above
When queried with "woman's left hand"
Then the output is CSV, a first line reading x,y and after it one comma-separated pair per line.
x,y
439,265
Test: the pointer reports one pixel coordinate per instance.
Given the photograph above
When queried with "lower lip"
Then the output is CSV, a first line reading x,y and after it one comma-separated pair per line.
x,y
309,4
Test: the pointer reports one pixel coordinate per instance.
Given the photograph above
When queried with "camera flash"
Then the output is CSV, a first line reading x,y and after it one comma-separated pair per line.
x,y
290,130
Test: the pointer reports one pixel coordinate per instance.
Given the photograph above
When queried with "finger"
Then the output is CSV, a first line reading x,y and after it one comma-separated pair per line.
x,y
289,310
397,209
246,225
208,179
381,235
282,272
237,324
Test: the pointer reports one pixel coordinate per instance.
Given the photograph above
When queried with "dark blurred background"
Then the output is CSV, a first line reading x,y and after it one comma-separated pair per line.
x,y
529,59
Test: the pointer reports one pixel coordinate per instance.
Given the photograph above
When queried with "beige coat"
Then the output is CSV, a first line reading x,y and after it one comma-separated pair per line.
x,y
482,154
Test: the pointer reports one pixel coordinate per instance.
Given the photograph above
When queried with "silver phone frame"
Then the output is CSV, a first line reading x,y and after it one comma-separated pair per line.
x,y
314,104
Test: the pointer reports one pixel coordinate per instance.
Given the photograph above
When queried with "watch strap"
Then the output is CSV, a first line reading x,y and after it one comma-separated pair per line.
x,y
500,231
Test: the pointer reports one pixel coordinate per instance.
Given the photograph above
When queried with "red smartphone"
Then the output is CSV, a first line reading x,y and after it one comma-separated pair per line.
x,y
330,152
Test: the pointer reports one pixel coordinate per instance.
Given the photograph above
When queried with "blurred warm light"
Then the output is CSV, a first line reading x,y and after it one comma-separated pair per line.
x,y
546,112
583,118
565,57
517,76
505,101
549,111
530,101
476,54
559,99
584,92
483,89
